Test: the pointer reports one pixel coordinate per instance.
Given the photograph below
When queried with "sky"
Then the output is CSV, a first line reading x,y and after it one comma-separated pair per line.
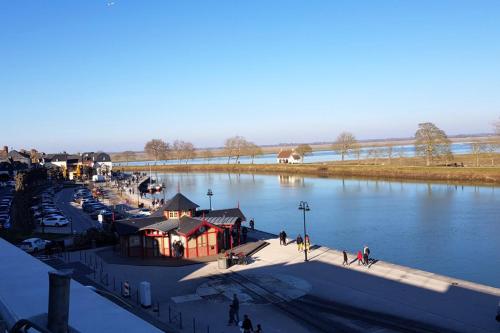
x,y
110,75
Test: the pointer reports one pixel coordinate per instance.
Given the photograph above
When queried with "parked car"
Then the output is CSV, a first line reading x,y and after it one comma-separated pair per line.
x,y
144,212
54,221
107,215
31,245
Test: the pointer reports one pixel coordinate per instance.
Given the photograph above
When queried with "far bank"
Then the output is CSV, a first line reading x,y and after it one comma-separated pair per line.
x,y
472,175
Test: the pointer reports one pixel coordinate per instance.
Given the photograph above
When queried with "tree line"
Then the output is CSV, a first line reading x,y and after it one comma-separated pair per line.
x,y
431,143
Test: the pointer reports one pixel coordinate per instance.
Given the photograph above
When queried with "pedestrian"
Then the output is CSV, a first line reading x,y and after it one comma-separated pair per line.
x,y
259,329
284,238
231,316
236,308
366,254
244,233
300,243
360,257
281,237
247,324
365,259
307,242
345,262
252,224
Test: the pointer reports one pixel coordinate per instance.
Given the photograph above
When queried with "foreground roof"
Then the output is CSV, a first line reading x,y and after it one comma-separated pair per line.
x,y
131,226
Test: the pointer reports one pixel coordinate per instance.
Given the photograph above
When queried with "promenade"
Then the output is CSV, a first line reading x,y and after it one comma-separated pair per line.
x,y
285,294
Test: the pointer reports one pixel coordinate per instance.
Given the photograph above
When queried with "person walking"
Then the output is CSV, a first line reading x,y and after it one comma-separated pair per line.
x,y
231,316
366,254
307,242
284,238
300,243
252,224
345,262
236,308
360,258
247,324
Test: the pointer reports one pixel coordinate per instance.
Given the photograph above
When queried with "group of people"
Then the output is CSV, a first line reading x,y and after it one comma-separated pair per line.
x,y
362,257
303,244
157,202
178,248
283,237
234,318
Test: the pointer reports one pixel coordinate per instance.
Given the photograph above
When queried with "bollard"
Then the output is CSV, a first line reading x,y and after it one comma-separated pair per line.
x,y
59,283
208,328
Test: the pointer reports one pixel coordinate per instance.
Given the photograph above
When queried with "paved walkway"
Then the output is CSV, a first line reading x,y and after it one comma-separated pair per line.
x,y
279,290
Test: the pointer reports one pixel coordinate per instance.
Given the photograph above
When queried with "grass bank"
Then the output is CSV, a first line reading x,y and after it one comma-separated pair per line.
x,y
481,175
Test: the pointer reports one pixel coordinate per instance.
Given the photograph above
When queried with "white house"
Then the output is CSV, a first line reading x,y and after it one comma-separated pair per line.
x,y
289,157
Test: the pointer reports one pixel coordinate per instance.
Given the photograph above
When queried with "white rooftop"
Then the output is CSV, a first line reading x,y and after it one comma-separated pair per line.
x,y
24,292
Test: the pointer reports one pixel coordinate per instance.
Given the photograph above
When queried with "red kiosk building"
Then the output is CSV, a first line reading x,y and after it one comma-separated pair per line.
x,y
179,230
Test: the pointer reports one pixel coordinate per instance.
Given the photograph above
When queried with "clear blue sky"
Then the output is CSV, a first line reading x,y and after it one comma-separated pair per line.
x,y
90,75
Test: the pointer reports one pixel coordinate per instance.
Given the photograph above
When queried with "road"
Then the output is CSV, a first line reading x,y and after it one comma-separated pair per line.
x,y
80,220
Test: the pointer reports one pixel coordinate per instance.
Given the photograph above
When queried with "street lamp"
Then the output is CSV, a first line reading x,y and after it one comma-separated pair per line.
x,y
209,194
304,207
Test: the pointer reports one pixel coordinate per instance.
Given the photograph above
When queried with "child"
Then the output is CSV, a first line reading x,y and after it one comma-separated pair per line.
x,y
360,257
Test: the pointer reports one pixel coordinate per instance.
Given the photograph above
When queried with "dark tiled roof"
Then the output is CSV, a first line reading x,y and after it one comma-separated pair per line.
x,y
14,154
164,226
131,226
102,157
179,203
187,224
230,212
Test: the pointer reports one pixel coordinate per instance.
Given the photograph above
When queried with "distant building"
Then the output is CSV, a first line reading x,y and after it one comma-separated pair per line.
x,y
289,157
100,162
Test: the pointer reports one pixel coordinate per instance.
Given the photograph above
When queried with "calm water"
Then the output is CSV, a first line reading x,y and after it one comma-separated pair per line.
x,y
317,156
446,229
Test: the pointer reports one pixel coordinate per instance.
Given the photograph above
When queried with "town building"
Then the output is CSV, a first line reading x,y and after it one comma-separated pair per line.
x,y
178,229
289,156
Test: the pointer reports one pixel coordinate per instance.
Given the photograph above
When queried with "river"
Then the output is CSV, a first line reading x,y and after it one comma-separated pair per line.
x,y
446,229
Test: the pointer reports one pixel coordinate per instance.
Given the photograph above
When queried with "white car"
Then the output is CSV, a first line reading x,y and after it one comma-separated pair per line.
x,y
54,221
144,212
34,245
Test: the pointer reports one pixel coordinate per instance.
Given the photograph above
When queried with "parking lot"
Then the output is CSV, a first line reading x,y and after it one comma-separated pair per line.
x,y
6,196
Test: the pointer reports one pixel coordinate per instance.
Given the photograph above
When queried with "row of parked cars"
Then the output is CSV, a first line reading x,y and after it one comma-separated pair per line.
x,y
92,205
45,211
6,197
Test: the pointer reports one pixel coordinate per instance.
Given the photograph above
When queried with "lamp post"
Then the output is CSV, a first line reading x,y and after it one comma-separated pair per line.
x,y
304,207
209,194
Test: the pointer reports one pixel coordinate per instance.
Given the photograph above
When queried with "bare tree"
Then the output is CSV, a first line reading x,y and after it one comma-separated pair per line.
x,y
176,149
356,150
401,154
374,153
234,147
344,144
253,150
389,150
157,149
477,148
431,142
208,155
188,151
303,150
128,155
491,150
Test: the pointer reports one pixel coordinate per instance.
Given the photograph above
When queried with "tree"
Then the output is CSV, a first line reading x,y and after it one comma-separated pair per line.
x,y
128,155
356,149
303,150
157,149
188,151
477,148
344,144
389,152
234,147
401,154
374,153
491,149
431,142
208,155
177,150
252,150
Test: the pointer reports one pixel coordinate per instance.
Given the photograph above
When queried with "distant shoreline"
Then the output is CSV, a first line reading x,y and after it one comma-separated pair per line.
x,y
458,175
